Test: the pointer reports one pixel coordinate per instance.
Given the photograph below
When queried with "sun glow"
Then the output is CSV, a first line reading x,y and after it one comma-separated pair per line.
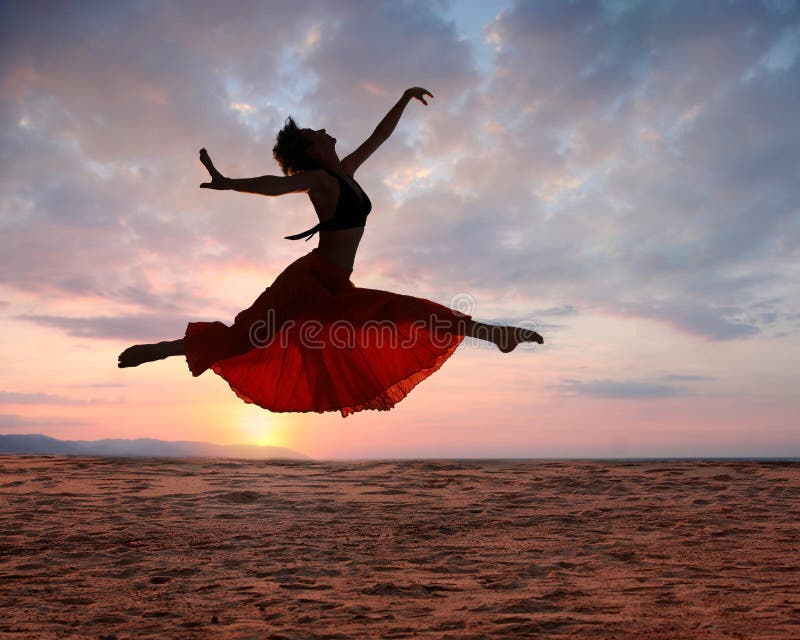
x,y
258,426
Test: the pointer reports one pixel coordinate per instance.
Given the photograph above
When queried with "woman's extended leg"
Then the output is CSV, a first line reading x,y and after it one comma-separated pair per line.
x,y
141,353
506,338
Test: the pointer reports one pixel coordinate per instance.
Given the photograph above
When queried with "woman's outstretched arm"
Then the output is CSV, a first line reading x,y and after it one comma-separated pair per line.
x,y
384,129
263,185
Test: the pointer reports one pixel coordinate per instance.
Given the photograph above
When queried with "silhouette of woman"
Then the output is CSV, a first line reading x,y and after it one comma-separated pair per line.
x,y
313,341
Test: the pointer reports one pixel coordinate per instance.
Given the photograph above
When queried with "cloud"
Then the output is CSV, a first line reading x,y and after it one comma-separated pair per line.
x,y
13,421
620,389
683,377
653,225
100,384
724,323
405,37
15,397
152,326
561,310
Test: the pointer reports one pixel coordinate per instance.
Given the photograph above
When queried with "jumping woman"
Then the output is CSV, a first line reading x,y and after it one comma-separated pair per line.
x,y
313,341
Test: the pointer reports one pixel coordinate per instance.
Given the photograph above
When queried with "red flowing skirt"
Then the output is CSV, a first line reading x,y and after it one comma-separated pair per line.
x,y
313,341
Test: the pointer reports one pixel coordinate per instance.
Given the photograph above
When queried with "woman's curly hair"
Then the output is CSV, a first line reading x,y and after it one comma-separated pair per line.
x,y
291,150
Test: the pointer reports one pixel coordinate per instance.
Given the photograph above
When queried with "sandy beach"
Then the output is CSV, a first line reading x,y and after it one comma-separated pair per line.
x,y
119,548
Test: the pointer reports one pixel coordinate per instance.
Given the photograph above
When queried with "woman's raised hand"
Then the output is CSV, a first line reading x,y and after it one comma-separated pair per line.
x,y
418,93
218,181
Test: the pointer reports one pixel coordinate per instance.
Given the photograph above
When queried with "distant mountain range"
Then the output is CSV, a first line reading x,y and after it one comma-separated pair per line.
x,y
141,447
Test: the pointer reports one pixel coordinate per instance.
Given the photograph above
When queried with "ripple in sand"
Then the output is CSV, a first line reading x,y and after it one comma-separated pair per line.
x,y
413,589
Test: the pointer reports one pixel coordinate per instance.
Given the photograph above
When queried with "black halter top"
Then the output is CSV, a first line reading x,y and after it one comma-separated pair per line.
x,y
351,211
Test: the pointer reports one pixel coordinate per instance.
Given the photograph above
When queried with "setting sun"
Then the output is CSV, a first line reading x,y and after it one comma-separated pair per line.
x,y
257,426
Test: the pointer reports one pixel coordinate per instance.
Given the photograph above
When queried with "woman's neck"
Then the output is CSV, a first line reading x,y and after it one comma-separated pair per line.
x,y
331,163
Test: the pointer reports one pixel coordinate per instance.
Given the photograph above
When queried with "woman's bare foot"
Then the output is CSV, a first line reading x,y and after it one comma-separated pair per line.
x,y
141,353
509,337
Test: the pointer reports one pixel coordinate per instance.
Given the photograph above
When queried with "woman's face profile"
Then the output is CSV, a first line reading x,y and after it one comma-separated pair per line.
x,y
319,139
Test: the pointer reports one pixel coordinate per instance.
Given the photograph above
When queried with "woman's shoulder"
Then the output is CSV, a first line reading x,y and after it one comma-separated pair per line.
x,y
308,181
317,177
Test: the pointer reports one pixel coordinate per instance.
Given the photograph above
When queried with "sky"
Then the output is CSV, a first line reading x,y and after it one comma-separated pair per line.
x,y
621,174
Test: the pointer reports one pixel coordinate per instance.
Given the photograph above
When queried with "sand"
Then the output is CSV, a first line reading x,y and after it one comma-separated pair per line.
x,y
190,548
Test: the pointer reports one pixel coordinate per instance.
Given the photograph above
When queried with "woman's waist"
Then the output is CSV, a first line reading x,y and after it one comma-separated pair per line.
x,y
344,241
344,231
340,254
